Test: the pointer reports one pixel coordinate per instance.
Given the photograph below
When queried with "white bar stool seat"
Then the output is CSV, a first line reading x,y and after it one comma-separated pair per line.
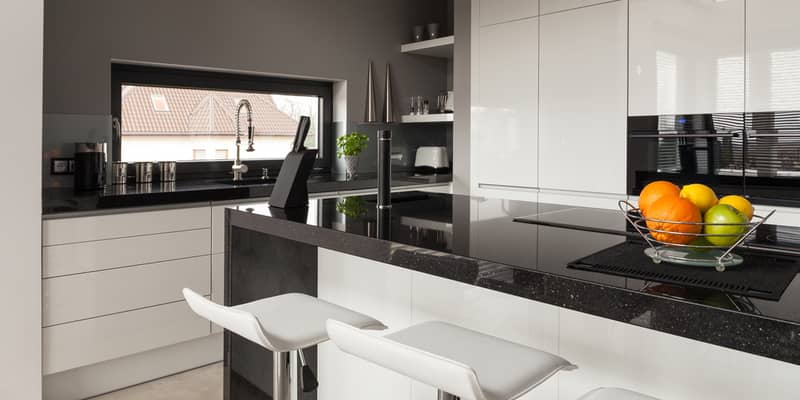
x,y
459,362
283,324
615,394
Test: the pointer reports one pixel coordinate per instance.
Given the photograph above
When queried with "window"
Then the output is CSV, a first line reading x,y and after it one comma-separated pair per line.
x,y
189,117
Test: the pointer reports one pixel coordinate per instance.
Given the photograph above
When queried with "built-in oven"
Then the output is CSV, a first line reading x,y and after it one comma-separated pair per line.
x,y
772,157
698,148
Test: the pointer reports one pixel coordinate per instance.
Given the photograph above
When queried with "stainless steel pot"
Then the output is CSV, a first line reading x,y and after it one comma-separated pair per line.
x,y
119,173
168,170
144,172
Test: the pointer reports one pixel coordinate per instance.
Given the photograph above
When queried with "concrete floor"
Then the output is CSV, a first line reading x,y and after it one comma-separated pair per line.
x,y
200,384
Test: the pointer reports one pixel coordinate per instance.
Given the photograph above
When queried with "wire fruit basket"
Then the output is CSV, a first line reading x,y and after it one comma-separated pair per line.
x,y
698,253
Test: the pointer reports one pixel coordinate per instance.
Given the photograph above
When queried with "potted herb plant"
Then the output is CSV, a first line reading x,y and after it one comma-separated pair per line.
x,y
348,148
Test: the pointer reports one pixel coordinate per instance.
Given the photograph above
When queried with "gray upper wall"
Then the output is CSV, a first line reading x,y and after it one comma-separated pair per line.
x,y
330,39
316,38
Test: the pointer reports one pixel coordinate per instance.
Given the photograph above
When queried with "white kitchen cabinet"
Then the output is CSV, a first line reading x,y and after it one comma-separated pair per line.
x,y
504,111
85,229
686,57
551,6
76,258
75,297
773,55
497,11
582,99
379,290
217,284
94,340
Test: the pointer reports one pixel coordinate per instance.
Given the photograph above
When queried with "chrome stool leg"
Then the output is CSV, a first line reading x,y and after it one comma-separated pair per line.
x,y
445,396
285,376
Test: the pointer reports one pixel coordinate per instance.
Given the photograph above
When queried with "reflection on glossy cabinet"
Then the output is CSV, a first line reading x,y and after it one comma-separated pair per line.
x,y
686,57
582,110
773,55
379,290
497,11
504,135
611,353
551,6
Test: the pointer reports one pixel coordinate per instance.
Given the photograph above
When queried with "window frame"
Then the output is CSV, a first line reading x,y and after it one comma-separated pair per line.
x,y
130,74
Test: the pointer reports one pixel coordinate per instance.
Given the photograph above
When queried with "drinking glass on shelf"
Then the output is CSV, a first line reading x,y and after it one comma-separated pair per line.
x,y
413,110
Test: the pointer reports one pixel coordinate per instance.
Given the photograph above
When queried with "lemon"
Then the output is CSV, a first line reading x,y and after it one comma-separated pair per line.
x,y
702,196
739,203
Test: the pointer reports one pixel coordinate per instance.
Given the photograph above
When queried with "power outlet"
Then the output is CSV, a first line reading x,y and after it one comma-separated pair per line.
x,y
62,166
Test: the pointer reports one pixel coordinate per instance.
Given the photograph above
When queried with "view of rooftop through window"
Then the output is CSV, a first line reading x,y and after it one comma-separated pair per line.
x,y
164,123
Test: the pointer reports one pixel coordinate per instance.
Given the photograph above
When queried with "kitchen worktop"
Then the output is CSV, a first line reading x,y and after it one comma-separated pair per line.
x,y
66,202
477,241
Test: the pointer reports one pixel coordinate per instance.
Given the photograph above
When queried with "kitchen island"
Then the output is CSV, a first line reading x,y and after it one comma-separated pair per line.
x,y
473,262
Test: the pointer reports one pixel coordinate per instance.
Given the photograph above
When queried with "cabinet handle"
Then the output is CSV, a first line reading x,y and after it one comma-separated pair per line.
x,y
688,136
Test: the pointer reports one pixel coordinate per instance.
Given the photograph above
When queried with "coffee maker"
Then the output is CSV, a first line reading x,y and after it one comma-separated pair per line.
x,y
90,166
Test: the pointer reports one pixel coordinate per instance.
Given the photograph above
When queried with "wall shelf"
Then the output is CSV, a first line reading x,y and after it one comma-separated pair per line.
x,y
427,118
441,47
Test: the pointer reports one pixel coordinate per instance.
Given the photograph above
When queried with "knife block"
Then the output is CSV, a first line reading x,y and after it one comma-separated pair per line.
x,y
291,187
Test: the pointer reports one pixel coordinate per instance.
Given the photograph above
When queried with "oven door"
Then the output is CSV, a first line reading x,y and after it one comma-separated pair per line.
x,y
772,161
683,149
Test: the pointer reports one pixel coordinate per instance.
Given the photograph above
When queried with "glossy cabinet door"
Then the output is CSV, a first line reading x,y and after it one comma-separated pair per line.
x,y
686,57
504,112
497,11
551,6
582,101
773,55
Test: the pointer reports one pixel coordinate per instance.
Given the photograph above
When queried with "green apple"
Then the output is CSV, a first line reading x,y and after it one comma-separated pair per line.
x,y
728,234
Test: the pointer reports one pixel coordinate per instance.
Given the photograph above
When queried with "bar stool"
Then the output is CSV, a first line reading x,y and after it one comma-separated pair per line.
x,y
459,362
284,324
615,394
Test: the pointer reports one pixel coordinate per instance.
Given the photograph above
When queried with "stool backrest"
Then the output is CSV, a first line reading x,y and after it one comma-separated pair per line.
x,y
442,373
239,322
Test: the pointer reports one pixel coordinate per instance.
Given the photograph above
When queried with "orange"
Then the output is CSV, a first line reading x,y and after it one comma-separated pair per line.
x,y
701,195
739,203
676,211
654,191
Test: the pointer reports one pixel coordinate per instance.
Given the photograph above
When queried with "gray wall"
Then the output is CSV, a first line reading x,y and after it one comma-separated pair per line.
x,y
321,38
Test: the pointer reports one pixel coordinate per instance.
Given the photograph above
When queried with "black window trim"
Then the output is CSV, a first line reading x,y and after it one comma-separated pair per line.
x,y
199,79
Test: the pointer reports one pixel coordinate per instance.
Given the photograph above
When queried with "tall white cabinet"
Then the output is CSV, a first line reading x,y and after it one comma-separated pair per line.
x,y
583,99
504,113
773,55
686,57
549,101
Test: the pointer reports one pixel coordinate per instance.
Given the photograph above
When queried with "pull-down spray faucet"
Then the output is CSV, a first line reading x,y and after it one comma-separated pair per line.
x,y
239,168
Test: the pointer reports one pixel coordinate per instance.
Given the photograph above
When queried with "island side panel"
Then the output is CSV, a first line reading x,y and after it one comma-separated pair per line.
x,y
257,266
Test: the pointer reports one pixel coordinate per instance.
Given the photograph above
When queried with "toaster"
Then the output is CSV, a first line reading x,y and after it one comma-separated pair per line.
x,y
431,159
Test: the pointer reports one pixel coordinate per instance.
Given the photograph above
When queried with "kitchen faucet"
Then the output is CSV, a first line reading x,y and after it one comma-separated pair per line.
x,y
239,168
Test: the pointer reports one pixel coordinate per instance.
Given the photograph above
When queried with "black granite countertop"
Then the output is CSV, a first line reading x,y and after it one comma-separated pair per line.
x,y
58,201
477,241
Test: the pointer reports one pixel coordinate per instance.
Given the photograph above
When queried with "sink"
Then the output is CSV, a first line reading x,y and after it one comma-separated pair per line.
x,y
248,181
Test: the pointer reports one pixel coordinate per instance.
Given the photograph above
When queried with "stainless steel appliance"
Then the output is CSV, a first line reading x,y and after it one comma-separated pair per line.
x,y
431,159
90,166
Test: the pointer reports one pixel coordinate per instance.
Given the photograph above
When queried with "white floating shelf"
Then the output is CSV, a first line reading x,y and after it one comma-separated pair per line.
x,y
441,47
426,118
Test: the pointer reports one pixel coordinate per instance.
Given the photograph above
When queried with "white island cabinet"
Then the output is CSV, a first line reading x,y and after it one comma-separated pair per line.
x,y
686,57
582,106
499,11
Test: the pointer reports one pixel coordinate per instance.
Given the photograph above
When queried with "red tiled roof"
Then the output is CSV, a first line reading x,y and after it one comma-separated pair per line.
x,y
199,112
